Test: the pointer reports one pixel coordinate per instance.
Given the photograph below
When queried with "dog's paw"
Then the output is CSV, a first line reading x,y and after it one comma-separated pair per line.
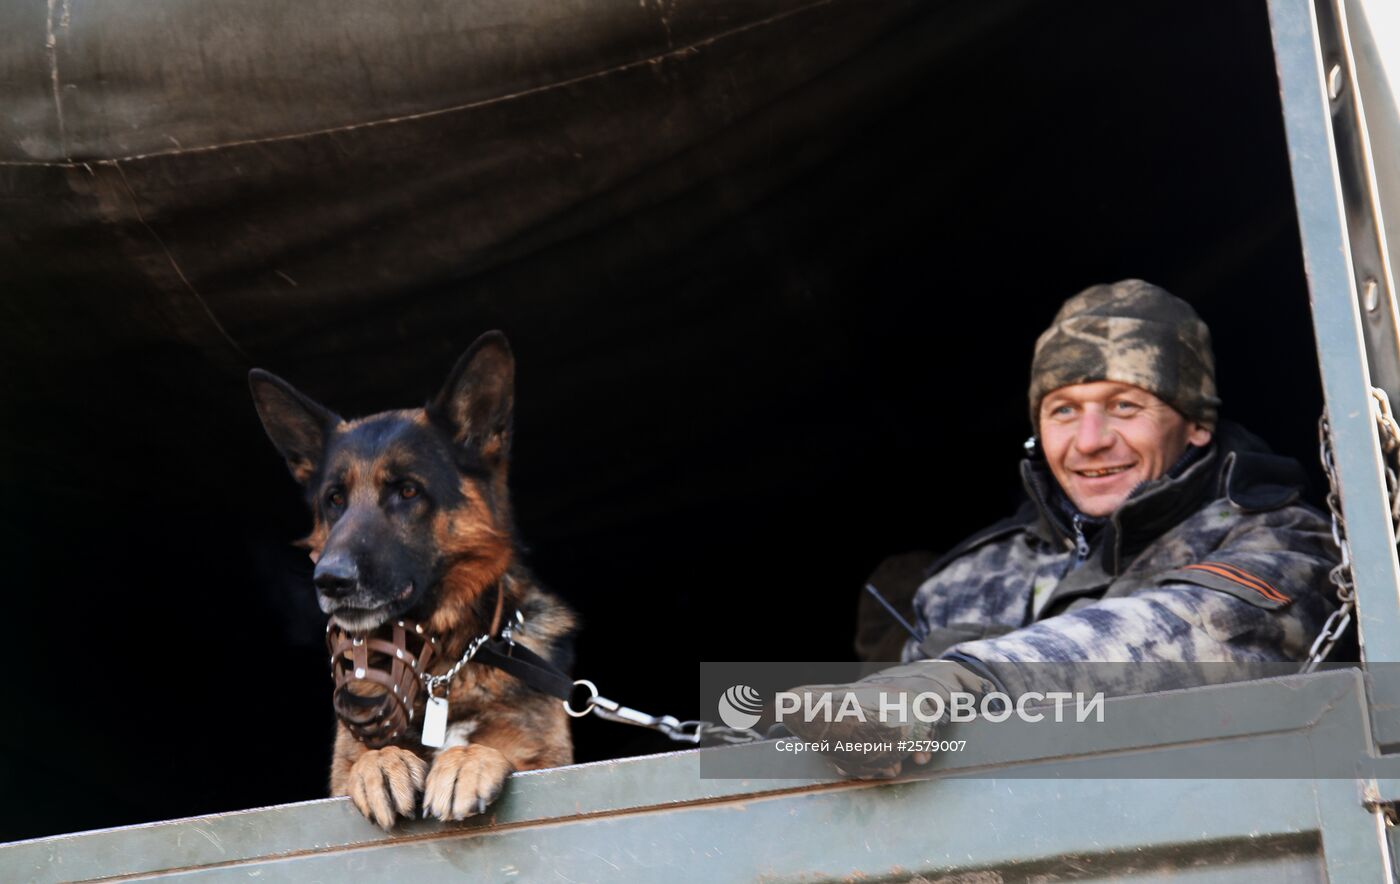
x,y
464,780
384,784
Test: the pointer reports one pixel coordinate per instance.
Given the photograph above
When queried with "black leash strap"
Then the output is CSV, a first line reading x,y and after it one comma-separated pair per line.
x,y
501,652
526,665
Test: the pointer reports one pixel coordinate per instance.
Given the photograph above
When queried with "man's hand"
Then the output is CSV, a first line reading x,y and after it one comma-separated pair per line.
x,y
884,737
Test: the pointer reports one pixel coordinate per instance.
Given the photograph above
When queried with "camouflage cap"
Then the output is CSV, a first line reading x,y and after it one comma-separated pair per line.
x,y
1135,333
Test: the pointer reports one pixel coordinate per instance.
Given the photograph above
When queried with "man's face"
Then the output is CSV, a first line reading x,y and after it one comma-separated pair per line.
x,y
1105,438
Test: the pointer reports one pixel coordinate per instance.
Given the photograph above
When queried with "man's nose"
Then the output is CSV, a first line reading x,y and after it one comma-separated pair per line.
x,y
1093,433
336,575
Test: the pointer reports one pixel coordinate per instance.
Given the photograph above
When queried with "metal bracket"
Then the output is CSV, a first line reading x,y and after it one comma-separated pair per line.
x,y
1383,802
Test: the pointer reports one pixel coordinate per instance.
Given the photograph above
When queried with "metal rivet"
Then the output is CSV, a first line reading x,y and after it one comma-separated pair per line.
x,y
328,627
420,629
398,652
410,715
396,689
401,623
332,659
1371,294
1334,82
433,640
359,641
359,673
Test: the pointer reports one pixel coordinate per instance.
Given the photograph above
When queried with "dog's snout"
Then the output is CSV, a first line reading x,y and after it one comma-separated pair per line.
x,y
336,576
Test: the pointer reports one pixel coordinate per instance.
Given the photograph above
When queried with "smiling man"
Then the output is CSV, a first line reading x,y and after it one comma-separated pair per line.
x,y
1153,532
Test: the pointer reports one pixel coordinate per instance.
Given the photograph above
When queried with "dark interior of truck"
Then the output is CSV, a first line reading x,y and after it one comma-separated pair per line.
x,y
746,374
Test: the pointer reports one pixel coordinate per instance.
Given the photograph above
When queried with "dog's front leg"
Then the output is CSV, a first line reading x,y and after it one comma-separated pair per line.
x,y
464,780
383,783
471,772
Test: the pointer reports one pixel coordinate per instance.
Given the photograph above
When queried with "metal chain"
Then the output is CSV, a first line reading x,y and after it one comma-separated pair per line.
x,y
1341,575
514,622
431,682
694,732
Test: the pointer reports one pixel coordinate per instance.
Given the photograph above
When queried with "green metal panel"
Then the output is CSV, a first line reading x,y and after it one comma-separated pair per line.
x,y
1341,329
1055,809
936,827
1373,34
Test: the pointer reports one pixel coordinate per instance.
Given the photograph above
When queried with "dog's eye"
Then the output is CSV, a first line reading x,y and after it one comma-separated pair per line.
x,y
336,498
409,490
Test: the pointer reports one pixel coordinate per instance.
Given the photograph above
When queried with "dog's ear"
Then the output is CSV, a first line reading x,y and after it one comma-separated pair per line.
x,y
297,425
479,397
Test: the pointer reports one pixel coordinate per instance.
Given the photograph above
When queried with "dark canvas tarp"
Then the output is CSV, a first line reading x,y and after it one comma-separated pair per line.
x,y
241,176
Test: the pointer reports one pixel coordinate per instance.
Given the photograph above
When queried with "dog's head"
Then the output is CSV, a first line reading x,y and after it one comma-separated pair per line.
x,y
412,517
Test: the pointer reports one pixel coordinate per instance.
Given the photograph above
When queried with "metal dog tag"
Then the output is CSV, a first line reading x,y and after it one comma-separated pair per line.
x,y
435,722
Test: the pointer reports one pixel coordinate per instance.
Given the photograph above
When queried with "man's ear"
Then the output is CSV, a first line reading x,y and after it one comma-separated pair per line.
x,y
297,426
1199,435
478,400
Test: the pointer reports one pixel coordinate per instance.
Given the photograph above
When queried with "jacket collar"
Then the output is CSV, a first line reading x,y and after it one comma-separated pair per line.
x,y
1236,465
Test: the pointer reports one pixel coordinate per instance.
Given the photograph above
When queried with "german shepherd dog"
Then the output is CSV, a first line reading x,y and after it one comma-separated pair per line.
x,y
412,520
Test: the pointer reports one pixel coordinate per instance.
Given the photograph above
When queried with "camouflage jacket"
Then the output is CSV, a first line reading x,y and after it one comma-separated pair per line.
x,y
1220,563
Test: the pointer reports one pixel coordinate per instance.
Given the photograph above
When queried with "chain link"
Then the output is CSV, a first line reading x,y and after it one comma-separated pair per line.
x,y
1341,575
694,732
431,682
